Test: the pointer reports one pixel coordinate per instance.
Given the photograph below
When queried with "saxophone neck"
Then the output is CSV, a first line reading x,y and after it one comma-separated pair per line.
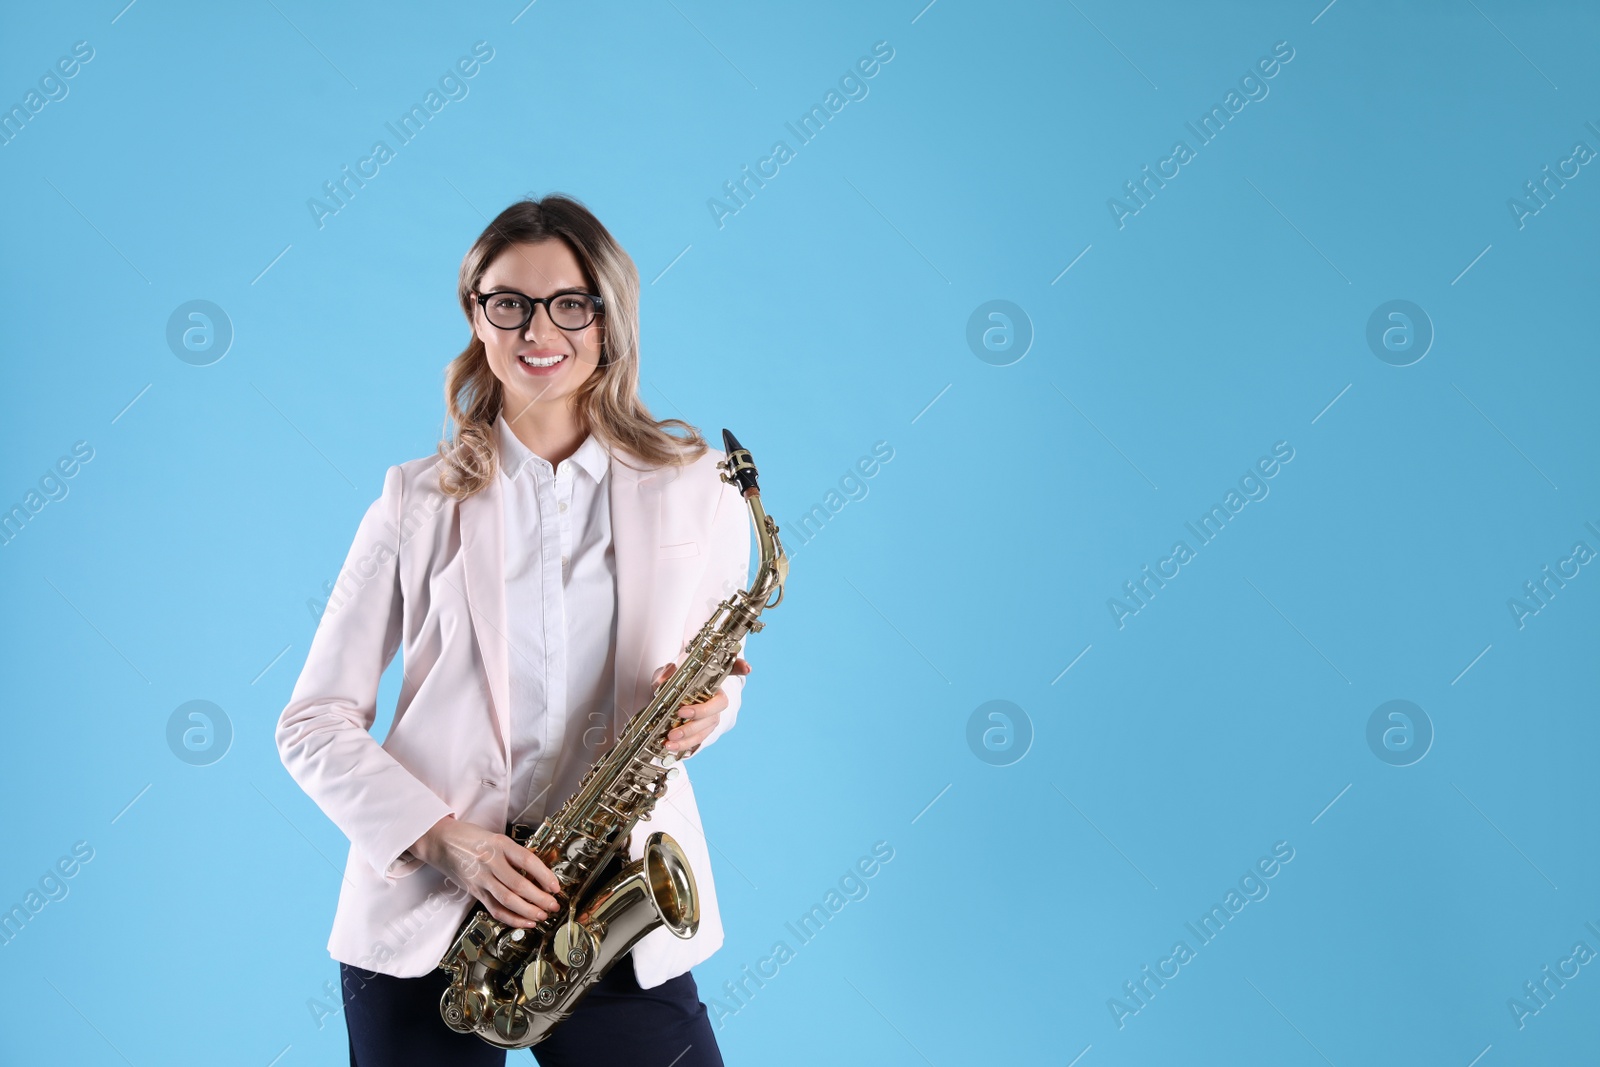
x,y
740,469
773,569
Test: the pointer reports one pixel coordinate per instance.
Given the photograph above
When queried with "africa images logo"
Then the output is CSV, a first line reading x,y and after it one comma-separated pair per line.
x,y
1253,86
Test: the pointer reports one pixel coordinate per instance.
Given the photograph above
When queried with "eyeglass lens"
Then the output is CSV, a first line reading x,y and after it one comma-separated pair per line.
x,y
511,311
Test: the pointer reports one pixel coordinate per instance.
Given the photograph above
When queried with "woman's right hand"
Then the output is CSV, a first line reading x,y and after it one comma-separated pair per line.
x,y
510,881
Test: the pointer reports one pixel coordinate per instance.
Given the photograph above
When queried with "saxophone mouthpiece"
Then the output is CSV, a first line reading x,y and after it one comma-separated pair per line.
x,y
740,465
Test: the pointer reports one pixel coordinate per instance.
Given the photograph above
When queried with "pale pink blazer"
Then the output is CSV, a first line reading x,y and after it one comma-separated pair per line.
x,y
425,575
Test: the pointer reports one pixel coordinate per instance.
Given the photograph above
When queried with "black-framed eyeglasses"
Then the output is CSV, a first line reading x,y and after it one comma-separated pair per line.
x,y
511,310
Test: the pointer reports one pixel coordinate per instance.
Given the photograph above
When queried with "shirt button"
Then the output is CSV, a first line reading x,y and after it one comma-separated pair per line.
x,y
563,561
563,505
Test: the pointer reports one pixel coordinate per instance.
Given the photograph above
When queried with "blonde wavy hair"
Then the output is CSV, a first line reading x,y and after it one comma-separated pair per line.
x,y
608,403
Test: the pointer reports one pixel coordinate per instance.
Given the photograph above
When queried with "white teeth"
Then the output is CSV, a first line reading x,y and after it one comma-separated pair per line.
x,y
547,362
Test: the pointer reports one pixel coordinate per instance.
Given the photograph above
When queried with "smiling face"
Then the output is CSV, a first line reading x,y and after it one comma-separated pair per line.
x,y
540,366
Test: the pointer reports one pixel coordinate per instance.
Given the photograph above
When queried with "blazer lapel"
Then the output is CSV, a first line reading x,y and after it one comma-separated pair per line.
x,y
483,565
635,498
635,501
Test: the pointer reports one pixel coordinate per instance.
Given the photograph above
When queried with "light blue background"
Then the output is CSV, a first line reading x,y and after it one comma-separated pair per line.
x,y
827,315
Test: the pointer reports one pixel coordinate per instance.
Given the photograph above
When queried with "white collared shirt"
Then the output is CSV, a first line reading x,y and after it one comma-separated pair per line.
x,y
561,613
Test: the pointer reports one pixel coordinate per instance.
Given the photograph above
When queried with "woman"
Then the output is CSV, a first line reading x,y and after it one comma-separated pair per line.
x,y
556,545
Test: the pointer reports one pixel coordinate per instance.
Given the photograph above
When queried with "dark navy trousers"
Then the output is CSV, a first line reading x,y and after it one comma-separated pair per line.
x,y
395,1022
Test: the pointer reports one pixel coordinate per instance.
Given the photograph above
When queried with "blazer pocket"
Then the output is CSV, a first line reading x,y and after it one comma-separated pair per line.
x,y
688,548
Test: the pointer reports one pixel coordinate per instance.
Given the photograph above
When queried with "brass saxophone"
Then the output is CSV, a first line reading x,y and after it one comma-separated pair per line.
x,y
512,985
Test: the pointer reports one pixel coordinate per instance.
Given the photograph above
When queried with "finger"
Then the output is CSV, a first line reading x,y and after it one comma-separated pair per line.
x,y
691,733
525,891
521,912
740,666
715,706
509,900
500,914
522,860
510,918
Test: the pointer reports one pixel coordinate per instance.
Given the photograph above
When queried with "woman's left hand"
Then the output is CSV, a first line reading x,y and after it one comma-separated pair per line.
x,y
684,739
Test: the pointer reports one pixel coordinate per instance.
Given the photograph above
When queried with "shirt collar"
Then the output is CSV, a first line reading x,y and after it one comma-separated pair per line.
x,y
514,455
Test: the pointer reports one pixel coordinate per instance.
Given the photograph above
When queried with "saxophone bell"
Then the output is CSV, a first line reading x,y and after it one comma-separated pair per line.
x,y
657,889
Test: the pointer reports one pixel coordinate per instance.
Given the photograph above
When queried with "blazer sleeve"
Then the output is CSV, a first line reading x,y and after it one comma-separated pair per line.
x,y
322,734
727,571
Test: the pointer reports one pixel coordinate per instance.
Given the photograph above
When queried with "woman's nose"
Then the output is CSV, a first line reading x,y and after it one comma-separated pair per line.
x,y
533,323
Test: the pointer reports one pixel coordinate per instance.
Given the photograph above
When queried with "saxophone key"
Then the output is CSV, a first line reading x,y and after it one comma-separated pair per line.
x,y
539,981
573,944
511,1023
